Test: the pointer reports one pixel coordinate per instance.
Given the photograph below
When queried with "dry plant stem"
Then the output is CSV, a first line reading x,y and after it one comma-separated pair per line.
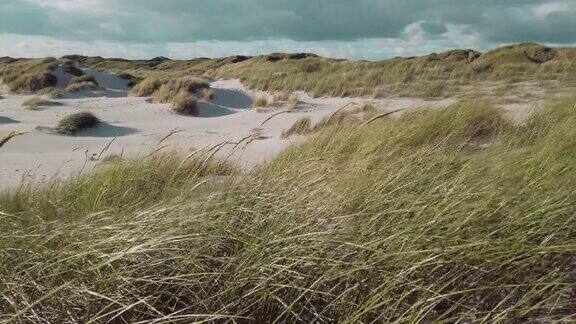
x,y
337,111
172,132
10,136
371,120
274,115
106,147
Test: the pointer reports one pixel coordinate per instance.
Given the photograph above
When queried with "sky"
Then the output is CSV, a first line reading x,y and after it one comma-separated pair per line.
x,y
353,29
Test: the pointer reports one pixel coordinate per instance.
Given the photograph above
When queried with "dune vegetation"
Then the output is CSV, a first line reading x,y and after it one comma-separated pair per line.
x,y
51,92
293,102
170,88
441,215
70,67
261,100
28,75
302,126
184,104
33,103
207,94
77,122
82,83
430,76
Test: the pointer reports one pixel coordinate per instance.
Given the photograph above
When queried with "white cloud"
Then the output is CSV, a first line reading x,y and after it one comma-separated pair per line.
x,y
350,22
413,42
542,11
67,6
43,46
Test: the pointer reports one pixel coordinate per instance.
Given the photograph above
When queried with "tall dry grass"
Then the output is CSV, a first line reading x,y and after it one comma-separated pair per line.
x,y
429,76
451,215
184,104
24,76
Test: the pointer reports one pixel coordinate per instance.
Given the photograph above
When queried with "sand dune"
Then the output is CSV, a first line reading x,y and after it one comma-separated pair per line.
x,y
108,81
137,126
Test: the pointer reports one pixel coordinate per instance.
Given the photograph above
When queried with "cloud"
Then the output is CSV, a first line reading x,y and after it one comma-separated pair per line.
x,y
414,41
544,10
205,23
301,20
42,46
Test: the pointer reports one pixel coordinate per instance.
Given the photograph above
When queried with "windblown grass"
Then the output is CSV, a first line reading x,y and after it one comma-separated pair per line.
x,y
293,102
171,88
302,126
438,216
184,104
279,97
146,87
125,76
51,92
82,83
33,103
342,118
433,75
28,75
166,88
426,76
261,100
207,94
70,67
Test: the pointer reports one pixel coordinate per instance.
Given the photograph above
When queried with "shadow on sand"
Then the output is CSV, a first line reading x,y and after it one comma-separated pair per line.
x,y
210,110
8,120
49,103
107,130
103,130
106,93
232,99
109,80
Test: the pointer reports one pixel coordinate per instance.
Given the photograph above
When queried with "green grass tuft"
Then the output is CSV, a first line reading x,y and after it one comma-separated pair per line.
x,y
77,122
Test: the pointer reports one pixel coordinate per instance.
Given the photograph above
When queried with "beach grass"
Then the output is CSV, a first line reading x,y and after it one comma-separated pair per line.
x,y
431,76
77,122
261,100
25,76
170,88
82,83
302,126
441,215
184,104
51,92
33,103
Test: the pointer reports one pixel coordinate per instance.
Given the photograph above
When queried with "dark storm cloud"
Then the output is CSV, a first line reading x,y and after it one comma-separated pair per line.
x,y
370,29
155,21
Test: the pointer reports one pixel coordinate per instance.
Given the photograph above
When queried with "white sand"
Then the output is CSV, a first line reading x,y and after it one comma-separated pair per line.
x,y
136,127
